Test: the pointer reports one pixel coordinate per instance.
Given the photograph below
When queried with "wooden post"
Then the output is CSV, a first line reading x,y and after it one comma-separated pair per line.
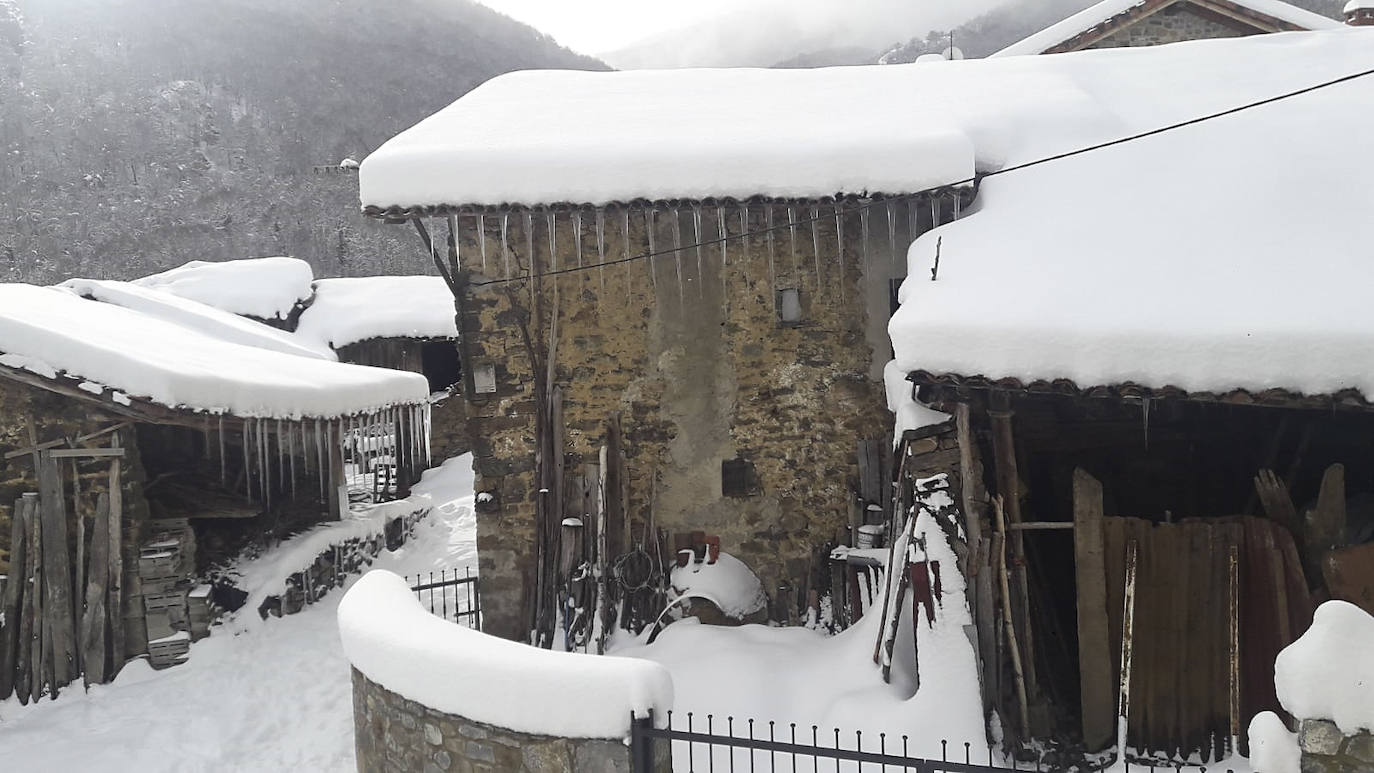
x,y
93,620
973,504
23,655
1012,645
13,603
1233,643
1009,485
1127,649
115,605
36,635
338,478
57,576
80,568
1094,644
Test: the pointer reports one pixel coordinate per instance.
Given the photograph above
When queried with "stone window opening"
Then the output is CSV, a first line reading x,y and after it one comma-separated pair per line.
x,y
789,306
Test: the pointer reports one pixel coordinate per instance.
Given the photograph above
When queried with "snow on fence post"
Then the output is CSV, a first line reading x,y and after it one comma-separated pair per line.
x,y
429,692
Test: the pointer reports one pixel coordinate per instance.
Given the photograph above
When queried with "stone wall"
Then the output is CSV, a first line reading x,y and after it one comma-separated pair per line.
x,y
1325,749
56,416
396,734
448,430
690,353
1171,25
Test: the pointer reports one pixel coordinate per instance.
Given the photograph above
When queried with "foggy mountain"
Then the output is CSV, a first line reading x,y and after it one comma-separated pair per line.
x,y
139,134
768,32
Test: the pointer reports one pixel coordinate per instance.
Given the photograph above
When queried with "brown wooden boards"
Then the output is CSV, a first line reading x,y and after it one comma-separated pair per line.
x,y
115,605
94,618
57,575
14,594
1094,642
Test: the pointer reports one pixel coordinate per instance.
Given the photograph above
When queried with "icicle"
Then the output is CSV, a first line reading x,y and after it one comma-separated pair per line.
x,y
653,272
1145,419
374,431
305,446
601,251
505,244
957,205
696,237
768,226
865,231
263,466
792,231
839,244
529,240
724,253
426,414
552,218
247,470
677,251
205,437
319,460
934,212
223,465
482,240
625,226
577,235
281,456
816,244
911,223
329,448
892,230
291,454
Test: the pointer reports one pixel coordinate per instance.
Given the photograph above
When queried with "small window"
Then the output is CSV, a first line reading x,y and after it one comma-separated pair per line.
x,y
789,306
484,379
738,478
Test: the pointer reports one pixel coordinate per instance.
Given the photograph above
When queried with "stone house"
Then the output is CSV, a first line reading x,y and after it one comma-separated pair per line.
x,y
144,438
1123,23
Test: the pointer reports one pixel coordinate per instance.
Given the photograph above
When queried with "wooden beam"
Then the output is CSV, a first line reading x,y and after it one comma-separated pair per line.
x,y
1041,525
85,453
115,606
1094,640
979,569
1009,488
34,449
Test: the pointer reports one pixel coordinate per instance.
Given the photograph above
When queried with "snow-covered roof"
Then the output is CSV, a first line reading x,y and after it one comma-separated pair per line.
x,y
1108,10
265,288
348,310
1359,5
1230,254
53,331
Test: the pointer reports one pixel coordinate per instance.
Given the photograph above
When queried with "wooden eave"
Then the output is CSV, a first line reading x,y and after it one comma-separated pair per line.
x,y
938,387
405,214
1225,12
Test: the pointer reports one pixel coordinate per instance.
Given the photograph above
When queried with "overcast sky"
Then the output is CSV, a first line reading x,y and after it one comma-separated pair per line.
x,y
595,26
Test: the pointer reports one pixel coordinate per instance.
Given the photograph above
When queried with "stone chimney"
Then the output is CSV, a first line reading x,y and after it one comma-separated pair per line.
x,y
1359,13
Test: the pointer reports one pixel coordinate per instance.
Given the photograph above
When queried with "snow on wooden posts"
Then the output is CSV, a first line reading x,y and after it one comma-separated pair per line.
x,y
395,642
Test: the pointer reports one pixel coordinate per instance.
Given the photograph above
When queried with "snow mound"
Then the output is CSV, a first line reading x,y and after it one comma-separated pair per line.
x,y
728,583
346,311
1328,673
910,413
1094,15
48,331
397,643
196,316
1273,749
1107,267
266,288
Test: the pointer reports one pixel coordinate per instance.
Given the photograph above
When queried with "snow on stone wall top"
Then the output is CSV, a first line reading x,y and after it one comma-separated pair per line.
x,y
1229,254
1092,16
346,311
266,288
197,316
51,331
1328,673
397,643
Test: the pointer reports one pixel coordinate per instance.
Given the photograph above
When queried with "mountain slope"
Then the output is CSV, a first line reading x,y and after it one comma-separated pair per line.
x,y
138,134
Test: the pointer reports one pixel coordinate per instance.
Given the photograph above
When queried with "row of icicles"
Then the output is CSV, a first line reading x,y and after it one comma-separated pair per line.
x,y
386,444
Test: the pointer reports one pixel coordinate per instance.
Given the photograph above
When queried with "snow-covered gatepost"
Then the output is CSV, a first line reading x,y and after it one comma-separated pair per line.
x,y
148,432
432,695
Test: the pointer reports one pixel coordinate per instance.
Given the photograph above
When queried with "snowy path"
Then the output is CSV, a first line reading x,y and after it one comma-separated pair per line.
x,y
275,697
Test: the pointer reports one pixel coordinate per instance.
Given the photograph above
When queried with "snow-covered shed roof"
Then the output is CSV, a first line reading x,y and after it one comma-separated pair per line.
x,y
352,309
1230,254
266,288
1104,18
1358,5
130,357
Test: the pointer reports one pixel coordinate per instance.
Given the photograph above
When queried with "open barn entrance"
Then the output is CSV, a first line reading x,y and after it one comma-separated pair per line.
x,y
1216,540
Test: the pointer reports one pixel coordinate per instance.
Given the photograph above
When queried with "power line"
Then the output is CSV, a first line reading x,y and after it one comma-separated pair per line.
x,y
939,188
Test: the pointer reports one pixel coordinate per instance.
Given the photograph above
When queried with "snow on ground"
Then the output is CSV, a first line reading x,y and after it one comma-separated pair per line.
x,y
49,330
265,288
1328,673
352,309
274,696
1145,262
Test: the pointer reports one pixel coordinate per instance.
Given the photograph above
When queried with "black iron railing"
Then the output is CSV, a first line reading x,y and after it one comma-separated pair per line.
x,y
452,595
709,745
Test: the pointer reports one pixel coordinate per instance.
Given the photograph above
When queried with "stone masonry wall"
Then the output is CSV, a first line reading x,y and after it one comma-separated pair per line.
x,y
392,733
1171,25
1325,749
56,416
692,356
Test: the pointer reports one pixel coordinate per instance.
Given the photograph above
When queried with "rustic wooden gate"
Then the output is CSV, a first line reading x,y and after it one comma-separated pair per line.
x,y
1193,579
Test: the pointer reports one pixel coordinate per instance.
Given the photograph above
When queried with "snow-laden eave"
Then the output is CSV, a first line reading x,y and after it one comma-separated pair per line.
x,y
398,213
959,384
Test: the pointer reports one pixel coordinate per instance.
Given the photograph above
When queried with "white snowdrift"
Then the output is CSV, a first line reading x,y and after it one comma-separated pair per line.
x,y
196,316
349,310
728,583
52,330
1209,258
397,643
1094,15
1273,748
909,412
1328,673
265,288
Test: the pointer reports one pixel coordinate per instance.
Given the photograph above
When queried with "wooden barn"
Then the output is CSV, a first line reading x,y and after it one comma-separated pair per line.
x,y
145,438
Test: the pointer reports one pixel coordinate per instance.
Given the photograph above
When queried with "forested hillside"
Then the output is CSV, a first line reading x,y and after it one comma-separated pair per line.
x,y
139,134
